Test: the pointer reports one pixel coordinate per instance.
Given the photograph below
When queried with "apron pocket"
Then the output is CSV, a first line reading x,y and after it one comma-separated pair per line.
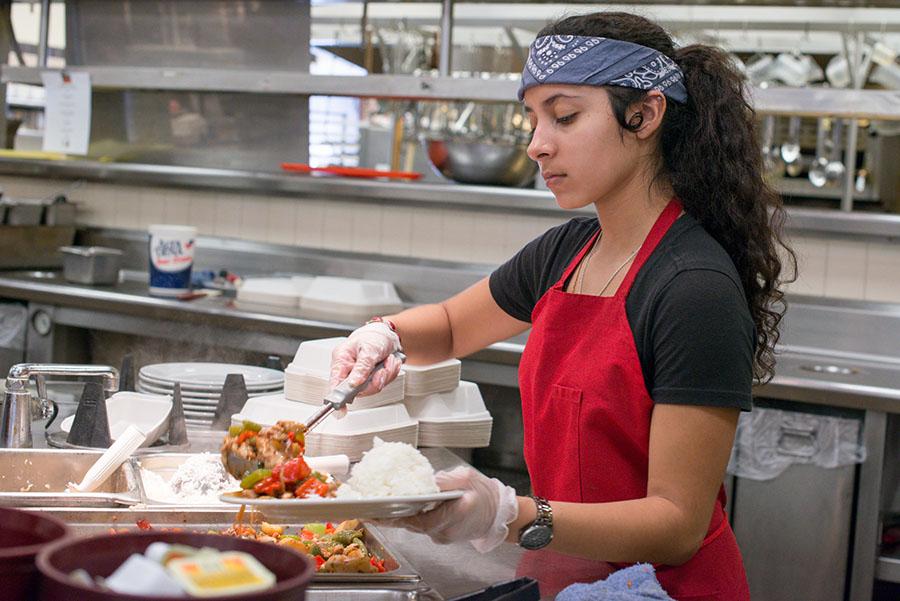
x,y
560,470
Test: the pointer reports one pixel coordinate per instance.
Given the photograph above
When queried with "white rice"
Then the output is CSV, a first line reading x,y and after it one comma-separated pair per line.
x,y
198,481
390,469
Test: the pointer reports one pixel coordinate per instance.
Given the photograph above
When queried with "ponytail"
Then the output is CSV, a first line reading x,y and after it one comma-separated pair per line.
x,y
711,157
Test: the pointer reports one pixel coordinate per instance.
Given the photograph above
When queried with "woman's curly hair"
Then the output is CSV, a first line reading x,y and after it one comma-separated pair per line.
x,y
711,156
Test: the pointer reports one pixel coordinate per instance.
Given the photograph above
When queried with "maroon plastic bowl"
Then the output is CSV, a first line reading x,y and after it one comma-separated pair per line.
x,y
22,535
101,555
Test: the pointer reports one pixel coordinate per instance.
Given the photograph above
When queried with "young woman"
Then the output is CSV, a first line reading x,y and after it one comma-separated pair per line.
x,y
648,323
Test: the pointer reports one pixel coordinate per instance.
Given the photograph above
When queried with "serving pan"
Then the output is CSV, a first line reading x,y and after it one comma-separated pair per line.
x,y
204,519
38,478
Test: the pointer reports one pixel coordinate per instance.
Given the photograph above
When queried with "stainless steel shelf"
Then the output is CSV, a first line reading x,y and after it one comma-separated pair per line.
x,y
808,102
484,198
283,82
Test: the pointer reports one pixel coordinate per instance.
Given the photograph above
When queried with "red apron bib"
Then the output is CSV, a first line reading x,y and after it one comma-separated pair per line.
x,y
581,383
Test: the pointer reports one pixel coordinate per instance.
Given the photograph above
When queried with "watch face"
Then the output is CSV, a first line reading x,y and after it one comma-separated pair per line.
x,y
536,537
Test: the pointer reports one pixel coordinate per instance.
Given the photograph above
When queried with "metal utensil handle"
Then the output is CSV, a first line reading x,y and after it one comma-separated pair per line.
x,y
341,396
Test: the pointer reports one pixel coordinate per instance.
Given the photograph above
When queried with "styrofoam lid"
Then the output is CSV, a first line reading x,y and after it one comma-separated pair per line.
x,y
462,401
349,291
314,356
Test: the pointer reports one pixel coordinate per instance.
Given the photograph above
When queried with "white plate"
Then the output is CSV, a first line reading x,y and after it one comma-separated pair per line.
x,y
142,379
190,394
300,510
211,374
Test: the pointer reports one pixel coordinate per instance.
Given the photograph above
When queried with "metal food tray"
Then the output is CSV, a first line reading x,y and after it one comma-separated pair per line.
x,y
38,478
87,521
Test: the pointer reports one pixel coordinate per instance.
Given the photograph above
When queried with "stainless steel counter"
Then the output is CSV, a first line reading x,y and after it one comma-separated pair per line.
x,y
806,374
833,353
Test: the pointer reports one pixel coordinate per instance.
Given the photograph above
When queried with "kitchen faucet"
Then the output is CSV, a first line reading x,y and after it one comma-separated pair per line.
x,y
15,419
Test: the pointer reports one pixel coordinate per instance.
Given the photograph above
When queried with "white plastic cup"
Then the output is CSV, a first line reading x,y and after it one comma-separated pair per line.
x,y
171,259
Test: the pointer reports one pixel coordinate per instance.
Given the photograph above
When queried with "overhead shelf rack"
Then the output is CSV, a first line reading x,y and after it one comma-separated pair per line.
x,y
806,102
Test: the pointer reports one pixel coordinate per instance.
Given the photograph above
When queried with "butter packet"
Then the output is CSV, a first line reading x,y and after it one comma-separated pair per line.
x,y
226,573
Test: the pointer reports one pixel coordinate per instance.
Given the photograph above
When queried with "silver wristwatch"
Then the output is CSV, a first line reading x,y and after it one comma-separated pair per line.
x,y
538,533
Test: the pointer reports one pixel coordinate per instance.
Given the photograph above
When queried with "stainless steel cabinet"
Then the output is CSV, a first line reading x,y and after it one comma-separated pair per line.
x,y
794,532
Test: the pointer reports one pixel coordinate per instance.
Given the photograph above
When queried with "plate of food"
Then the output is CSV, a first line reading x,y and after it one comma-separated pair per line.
x,y
392,480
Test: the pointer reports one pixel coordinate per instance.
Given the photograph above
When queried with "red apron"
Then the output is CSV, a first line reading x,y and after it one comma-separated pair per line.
x,y
581,382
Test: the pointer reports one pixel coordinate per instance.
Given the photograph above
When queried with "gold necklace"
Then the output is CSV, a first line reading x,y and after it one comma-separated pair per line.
x,y
580,283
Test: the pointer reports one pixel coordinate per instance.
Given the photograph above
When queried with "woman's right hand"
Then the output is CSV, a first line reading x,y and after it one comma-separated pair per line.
x,y
354,359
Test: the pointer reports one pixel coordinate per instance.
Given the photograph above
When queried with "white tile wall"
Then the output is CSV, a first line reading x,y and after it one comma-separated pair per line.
x,y
831,267
396,231
203,209
883,272
281,221
812,258
845,275
426,235
309,223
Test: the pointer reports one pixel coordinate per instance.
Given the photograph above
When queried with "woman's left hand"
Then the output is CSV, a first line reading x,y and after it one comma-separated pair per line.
x,y
481,515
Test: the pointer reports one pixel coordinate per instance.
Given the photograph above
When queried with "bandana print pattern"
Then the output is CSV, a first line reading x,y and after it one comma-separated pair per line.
x,y
596,61
550,53
658,74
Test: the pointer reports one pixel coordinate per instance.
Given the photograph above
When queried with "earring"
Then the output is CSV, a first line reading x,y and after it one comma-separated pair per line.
x,y
636,121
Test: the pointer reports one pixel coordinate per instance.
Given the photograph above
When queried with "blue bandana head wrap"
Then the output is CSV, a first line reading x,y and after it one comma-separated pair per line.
x,y
583,60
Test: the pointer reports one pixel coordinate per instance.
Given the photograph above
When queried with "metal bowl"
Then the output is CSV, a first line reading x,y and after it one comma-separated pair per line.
x,y
478,162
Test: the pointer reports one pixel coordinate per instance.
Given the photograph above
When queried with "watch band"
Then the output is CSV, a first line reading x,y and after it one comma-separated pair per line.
x,y
544,511
539,532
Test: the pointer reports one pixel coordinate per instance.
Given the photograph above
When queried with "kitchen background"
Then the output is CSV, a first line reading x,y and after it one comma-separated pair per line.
x,y
195,105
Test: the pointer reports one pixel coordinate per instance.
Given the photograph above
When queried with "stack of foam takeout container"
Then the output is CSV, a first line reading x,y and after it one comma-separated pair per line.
x,y
451,418
426,405
306,379
201,385
349,298
323,296
276,291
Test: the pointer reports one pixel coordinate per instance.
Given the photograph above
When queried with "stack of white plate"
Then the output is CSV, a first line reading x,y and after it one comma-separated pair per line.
x,y
349,298
352,435
429,379
201,384
306,379
282,292
456,419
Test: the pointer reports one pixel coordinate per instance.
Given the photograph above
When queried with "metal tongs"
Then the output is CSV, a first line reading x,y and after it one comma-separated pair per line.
x,y
343,394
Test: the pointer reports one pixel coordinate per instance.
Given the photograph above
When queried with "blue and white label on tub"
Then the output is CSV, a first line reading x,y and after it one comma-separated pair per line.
x,y
170,264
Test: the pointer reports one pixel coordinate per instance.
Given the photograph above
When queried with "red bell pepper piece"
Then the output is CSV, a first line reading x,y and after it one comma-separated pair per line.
x,y
312,487
243,436
377,563
294,470
271,486
319,561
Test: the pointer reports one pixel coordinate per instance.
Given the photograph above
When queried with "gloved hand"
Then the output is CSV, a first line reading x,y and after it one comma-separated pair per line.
x,y
480,516
355,358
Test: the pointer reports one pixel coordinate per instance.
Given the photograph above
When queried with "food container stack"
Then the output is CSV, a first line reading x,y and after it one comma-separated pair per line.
x,y
451,413
349,299
276,291
306,379
448,412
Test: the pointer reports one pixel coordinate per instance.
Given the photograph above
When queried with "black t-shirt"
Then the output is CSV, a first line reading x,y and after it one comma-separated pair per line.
x,y
691,323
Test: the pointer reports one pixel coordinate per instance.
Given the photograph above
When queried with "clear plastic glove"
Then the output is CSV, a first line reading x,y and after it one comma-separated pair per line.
x,y
480,516
355,358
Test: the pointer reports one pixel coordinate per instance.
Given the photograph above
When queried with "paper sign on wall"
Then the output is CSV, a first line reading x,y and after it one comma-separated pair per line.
x,y
67,112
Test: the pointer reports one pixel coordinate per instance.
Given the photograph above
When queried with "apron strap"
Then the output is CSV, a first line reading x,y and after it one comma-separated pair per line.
x,y
568,272
659,229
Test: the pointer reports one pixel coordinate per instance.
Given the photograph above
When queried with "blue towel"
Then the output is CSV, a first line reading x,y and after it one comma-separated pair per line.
x,y
634,583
